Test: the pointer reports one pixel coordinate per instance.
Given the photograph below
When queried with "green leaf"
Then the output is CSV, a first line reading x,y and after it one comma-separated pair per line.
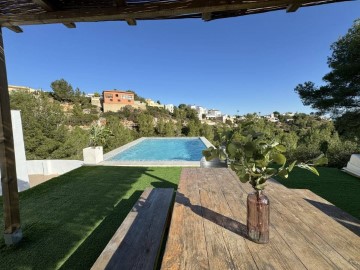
x,y
320,160
261,163
309,168
291,166
244,177
231,149
249,149
274,144
283,173
281,148
260,186
280,159
271,171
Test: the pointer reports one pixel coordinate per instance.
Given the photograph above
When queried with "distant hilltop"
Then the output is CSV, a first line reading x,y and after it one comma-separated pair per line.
x,y
12,88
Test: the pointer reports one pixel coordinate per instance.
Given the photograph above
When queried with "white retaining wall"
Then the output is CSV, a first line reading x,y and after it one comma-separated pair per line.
x,y
19,147
48,166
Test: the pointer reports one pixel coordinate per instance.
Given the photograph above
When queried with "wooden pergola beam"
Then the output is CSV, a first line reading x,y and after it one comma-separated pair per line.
x,y
206,16
145,11
131,22
70,25
15,28
12,232
45,4
293,7
120,3
50,6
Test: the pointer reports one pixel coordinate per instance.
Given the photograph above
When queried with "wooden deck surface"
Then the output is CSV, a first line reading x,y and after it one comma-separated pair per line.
x,y
208,228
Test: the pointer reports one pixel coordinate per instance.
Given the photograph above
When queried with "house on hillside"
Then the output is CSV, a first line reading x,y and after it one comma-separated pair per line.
x,y
152,103
212,113
169,107
200,110
13,88
115,100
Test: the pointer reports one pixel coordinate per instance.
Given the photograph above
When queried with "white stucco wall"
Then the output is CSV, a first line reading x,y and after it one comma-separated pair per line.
x,y
47,167
19,147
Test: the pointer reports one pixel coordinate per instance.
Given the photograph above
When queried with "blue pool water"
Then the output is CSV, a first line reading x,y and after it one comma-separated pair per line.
x,y
163,149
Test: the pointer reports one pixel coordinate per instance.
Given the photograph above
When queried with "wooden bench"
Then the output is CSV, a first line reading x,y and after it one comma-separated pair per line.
x,y
137,242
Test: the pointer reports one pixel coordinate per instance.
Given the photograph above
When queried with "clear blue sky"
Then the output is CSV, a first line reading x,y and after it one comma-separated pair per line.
x,y
249,64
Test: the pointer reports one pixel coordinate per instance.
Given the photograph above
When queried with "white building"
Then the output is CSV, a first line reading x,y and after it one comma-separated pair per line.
x,y
272,118
152,103
169,107
200,110
212,113
13,88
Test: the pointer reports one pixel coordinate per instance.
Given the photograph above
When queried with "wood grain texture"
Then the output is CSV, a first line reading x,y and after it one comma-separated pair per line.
x,y
301,235
7,153
345,219
137,242
66,12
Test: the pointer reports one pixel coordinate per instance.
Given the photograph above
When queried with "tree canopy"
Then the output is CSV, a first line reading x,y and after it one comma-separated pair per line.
x,y
340,96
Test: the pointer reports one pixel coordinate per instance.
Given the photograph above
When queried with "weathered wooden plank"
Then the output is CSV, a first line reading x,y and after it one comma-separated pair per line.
x,y
293,7
174,244
274,255
144,11
7,155
131,22
15,29
301,236
195,256
137,242
345,219
296,218
45,4
206,16
228,229
70,25
343,241
217,250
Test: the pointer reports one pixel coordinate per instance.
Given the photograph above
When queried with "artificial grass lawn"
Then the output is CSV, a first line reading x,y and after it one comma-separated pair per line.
x,y
69,220
334,185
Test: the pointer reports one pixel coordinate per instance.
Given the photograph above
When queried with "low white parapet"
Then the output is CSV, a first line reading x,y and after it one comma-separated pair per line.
x,y
50,166
353,166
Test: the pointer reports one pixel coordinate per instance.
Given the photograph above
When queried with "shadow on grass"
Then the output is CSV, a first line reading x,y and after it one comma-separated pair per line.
x,y
68,220
163,182
99,238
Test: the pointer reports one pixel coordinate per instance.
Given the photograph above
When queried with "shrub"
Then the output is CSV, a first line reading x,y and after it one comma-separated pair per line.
x,y
339,154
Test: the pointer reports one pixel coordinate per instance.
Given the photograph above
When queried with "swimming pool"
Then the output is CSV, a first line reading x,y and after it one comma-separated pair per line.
x,y
162,149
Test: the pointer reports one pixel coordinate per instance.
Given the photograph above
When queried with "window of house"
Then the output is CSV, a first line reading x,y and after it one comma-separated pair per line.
x,y
111,99
116,95
119,100
108,96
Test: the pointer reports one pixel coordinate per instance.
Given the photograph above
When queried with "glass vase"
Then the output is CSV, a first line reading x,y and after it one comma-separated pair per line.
x,y
258,217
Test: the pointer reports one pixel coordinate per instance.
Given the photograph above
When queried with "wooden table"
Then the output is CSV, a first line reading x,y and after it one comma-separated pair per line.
x,y
208,228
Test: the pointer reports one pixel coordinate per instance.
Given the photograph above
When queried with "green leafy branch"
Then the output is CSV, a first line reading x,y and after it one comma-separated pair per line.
x,y
251,157
99,135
